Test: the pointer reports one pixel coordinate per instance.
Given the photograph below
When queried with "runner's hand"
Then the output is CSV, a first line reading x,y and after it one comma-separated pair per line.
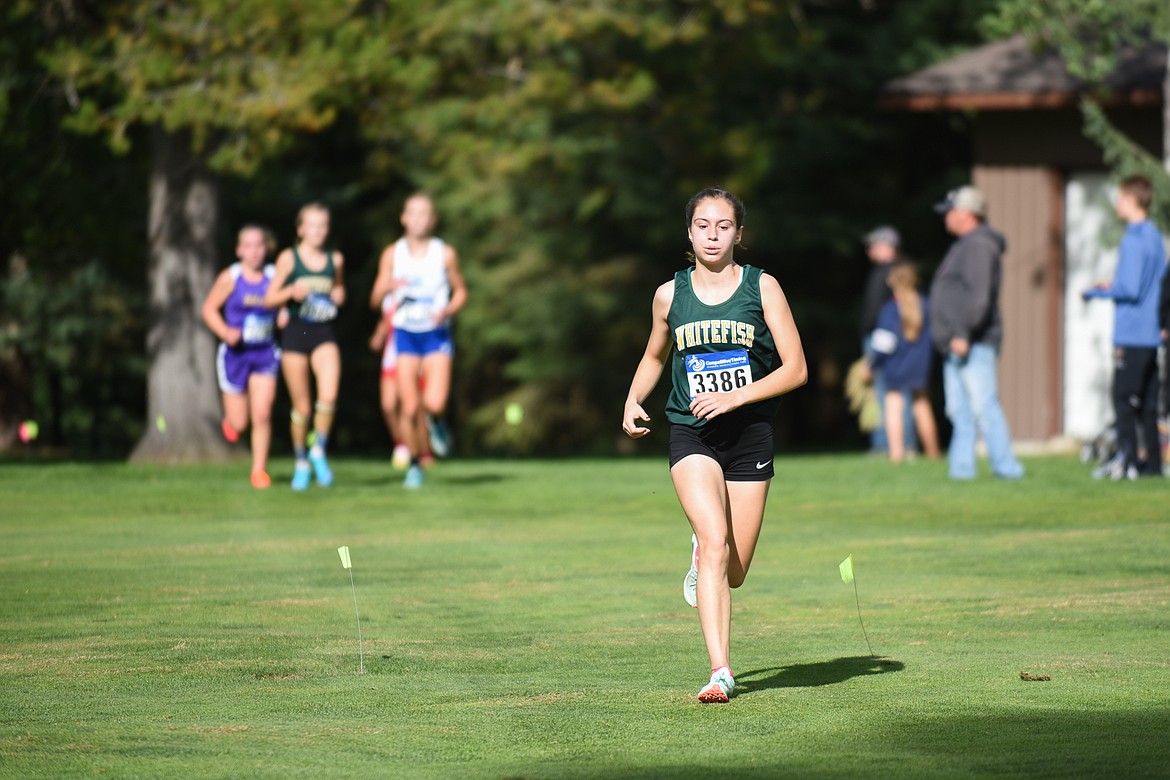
x,y
706,406
634,412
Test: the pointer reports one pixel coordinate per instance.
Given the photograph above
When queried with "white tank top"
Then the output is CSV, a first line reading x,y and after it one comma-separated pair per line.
x,y
427,290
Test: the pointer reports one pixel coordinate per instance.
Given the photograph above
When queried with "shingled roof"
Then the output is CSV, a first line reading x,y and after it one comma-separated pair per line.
x,y
1009,74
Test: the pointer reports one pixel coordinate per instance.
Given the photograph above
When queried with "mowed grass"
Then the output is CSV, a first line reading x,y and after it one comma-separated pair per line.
x,y
523,619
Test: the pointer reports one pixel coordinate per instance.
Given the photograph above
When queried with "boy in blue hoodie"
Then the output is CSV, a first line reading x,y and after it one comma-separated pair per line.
x,y
1135,292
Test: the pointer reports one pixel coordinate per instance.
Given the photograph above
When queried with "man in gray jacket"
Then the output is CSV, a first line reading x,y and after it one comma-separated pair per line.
x,y
967,330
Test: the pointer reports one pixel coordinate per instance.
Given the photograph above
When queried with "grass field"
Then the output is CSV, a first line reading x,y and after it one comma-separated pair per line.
x,y
523,619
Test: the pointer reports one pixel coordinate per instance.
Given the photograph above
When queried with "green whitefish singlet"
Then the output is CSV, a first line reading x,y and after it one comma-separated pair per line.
x,y
320,283
718,348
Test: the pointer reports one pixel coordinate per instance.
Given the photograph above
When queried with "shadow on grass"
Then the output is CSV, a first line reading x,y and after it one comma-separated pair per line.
x,y
812,675
394,479
1013,740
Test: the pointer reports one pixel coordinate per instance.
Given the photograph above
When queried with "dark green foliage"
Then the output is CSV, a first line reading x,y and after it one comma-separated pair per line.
x,y
561,142
1088,35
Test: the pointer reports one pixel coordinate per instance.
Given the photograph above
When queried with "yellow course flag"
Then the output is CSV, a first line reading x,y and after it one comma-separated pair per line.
x,y
846,568
343,551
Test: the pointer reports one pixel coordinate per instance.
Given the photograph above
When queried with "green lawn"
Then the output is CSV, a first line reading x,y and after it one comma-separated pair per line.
x,y
524,619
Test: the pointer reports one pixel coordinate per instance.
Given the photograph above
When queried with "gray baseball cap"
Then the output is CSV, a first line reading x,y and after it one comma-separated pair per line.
x,y
883,234
966,198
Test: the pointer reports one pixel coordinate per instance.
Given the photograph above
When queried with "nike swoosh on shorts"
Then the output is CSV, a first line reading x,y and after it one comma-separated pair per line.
x,y
762,465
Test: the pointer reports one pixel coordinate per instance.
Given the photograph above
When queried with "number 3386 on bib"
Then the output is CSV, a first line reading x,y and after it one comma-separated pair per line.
x,y
718,372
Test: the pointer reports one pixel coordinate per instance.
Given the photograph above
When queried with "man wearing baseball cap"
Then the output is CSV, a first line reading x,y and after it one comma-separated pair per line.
x,y
968,330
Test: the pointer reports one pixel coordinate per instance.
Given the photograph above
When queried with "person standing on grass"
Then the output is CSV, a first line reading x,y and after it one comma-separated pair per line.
x,y
902,351
422,274
967,330
727,331
882,248
308,280
248,359
1136,292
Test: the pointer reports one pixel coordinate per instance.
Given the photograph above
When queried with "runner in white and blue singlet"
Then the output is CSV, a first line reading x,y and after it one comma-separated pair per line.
x,y
422,273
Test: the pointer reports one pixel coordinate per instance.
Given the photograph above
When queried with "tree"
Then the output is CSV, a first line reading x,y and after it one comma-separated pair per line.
x,y
560,140
70,283
563,138
1088,34
220,86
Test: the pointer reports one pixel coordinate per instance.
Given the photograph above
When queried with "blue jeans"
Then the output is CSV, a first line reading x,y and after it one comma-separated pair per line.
x,y
972,405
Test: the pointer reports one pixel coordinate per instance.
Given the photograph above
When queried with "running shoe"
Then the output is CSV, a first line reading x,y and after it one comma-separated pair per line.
x,y
260,479
720,689
414,477
401,457
691,581
440,437
321,468
230,433
1115,469
301,475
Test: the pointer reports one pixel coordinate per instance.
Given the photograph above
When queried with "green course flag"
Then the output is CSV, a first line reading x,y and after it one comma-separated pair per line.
x,y
846,568
343,551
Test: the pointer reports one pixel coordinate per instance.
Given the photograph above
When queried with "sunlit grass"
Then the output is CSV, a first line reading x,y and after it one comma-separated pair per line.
x,y
524,619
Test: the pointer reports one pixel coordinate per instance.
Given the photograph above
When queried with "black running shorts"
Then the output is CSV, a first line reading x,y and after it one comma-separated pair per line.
x,y
304,337
742,447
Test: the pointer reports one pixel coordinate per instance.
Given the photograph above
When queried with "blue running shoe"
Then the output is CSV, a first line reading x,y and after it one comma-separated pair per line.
x,y
414,477
301,476
321,468
440,436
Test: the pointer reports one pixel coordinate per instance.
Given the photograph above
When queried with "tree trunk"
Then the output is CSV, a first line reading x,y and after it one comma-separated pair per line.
x,y
1166,112
183,409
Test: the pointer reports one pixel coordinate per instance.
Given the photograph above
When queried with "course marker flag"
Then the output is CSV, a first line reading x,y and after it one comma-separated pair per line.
x,y
846,569
343,551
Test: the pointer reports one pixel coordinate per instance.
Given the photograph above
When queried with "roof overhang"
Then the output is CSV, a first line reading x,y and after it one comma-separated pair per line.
x,y
1012,101
1012,75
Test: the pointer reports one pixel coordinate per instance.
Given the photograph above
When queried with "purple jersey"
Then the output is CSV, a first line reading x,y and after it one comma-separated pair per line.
x,y
245,309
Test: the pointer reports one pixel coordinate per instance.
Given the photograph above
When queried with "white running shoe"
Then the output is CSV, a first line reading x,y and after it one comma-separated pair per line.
x,y
720,689
400,460
691,581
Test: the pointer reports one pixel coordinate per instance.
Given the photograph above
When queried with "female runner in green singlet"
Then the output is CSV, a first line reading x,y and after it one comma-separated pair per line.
x,y
733,348
309,281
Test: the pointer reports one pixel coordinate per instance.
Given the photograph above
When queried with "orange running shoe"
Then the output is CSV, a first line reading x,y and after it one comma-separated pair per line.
x,y
230,433
261,480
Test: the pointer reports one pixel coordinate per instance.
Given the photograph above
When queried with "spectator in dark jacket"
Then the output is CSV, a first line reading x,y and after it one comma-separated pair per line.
x,y
882,247
967,330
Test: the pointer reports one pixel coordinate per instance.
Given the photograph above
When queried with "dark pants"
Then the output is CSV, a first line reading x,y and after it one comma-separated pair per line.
x,y
1135,402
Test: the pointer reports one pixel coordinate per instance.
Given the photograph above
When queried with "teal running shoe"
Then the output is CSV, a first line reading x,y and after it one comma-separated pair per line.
x,y
440,437
414,477
301,476
720,689
321,468
691,581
